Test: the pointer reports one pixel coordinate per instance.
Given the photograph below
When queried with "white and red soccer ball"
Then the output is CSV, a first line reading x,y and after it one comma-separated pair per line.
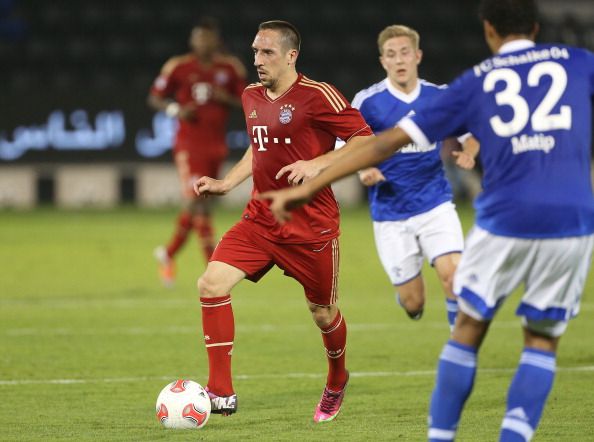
x,y
183,404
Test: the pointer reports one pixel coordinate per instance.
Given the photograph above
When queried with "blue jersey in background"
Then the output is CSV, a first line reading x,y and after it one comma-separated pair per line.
x,y
415,179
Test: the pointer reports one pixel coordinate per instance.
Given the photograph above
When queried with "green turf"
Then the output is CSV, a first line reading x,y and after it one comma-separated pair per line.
x,y
88,338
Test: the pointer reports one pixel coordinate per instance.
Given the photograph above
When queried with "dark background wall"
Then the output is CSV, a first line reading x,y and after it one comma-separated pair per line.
x,y
101,56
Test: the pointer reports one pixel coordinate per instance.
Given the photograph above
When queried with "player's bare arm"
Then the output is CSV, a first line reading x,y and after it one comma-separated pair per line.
x,y
371,151
465,158
304,170
206,186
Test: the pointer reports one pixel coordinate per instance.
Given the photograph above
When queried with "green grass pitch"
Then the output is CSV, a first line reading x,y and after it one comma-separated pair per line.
x,y
88,338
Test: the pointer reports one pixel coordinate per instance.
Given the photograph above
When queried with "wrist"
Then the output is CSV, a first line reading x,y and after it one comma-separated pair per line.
x,y
172,109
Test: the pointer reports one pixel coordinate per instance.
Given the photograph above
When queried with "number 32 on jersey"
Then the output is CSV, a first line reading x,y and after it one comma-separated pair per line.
x,y
542,118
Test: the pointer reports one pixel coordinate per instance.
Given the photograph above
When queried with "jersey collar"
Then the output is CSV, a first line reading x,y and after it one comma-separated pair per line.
x,y
407,98
516,45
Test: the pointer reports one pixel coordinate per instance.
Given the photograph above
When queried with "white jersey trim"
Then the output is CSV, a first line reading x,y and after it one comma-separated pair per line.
x,y
516,45
364,94
413,131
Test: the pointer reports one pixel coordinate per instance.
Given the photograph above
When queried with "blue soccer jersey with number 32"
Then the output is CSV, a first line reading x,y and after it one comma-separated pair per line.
x,y
536,147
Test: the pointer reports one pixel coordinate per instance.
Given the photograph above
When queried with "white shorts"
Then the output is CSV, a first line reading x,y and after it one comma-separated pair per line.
x,y
553,272
401,245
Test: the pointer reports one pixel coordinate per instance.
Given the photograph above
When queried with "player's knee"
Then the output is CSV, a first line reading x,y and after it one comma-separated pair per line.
x,y
412,302
198,207
323,315
207,288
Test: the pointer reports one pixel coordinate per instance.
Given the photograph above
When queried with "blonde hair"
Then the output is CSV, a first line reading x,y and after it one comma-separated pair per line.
x,y
397,31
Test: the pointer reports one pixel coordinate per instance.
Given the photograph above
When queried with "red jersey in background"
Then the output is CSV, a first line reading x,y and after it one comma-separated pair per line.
x,y
187,81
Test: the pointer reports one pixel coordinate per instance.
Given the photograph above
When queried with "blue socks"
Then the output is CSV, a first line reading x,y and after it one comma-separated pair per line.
x,y
455,379
527,395
452,309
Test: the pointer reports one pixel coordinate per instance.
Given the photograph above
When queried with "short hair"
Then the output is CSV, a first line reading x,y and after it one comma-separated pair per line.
x,y
397,31
289,34
208,24
510,16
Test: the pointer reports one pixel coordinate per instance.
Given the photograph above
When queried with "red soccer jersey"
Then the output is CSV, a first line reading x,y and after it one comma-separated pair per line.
x,y
301,124
187,81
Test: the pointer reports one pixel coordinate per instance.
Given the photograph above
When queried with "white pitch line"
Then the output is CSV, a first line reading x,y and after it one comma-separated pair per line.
x,y
133,303
257,377
261,328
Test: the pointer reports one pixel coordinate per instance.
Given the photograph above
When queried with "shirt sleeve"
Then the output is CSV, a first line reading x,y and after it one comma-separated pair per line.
x,y
165,84
334,114
442,116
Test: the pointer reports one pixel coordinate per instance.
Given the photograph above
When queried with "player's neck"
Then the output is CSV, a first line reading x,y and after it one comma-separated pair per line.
x,y
405,88
512,37
282,85
205,59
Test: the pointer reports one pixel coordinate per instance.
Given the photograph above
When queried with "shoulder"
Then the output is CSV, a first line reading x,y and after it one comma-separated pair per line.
x,y
430,90
174,62
234,63
368,93
252,88
432,86
324,92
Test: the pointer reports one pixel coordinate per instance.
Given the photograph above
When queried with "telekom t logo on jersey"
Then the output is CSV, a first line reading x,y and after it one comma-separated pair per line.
x,y
260,134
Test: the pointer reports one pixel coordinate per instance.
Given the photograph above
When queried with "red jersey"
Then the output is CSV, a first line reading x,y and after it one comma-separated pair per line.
x,y
187,81
302,124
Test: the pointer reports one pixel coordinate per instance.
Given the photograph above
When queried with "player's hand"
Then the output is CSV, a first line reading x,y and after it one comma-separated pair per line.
x,y
371,176
463,159
285,200
205,186
187,112
299,172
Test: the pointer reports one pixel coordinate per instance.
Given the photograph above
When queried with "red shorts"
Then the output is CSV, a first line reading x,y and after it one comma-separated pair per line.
x,y
314,266
191,168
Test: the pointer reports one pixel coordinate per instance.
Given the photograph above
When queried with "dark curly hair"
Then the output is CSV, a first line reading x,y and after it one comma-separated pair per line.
x,y
510,16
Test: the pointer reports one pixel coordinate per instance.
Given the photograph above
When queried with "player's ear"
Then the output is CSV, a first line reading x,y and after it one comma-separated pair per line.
x,y
381,60
293,53
491,36
419,55
535,31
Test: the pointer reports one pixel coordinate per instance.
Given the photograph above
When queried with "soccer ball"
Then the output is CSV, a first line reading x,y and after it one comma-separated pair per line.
x,y
183,404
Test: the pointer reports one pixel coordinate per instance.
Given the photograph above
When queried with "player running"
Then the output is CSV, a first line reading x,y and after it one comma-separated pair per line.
x,y
289,117
199,89
410,199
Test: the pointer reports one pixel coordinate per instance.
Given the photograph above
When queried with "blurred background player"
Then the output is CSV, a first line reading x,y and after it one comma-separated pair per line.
x,y
410,199
288,117
199,89
530,106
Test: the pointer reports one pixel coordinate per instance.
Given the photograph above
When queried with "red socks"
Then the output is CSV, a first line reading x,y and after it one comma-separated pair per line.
x,y
203,228
334,337
182,228
219,331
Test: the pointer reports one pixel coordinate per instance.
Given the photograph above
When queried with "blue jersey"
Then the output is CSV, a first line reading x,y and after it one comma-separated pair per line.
x,y
530,108
415,180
